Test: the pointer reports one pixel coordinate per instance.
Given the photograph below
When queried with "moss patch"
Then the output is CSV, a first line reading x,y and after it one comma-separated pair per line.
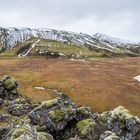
x,y
46,104
85,127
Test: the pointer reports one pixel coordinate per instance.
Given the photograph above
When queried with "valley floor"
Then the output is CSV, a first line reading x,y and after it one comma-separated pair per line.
x,y
102,84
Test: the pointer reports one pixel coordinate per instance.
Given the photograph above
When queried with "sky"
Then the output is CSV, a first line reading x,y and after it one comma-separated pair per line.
x,y
118,18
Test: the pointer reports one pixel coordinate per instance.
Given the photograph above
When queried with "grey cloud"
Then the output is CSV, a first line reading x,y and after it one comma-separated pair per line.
x,y
115,17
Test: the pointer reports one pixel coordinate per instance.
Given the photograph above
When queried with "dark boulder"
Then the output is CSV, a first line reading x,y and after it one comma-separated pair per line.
x,y
120,121
8,88
20,106
3,117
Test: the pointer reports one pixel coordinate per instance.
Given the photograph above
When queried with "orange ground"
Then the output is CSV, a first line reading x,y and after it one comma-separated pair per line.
x,y
101,84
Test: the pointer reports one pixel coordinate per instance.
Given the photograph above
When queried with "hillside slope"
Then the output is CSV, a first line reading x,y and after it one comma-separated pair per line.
x,y
50,49
11,37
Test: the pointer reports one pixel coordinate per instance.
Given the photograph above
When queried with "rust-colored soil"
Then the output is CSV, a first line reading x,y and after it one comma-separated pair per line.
x,y
100,84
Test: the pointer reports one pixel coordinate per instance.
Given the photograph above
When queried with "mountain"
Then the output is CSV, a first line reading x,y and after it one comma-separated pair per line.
x,y
116,42
11,37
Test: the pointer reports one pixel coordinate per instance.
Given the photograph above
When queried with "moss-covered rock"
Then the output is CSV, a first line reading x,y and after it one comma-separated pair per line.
x,y
20,106
44,136
61,114
108,135
27,132
104,116
119,120
57,114
46,104
84,110
85,128
20,100
9,83
8,88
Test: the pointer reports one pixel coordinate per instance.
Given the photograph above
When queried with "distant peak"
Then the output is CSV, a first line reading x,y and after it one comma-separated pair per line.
x,y
112,40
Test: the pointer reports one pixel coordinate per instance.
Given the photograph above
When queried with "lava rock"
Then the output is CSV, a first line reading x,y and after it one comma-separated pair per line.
x,y
85,128
108,135
8,88
20,106
122,122
54,114
27,132
1,101
3,117
9,83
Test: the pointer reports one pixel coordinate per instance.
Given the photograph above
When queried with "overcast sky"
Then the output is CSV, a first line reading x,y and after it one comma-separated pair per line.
x,y
119,18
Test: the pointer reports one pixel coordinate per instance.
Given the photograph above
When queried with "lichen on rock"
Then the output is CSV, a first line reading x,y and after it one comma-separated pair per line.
x,y
59,114
108,135
46,104
121,122
19,106
27,132
8,88
9,83
85,128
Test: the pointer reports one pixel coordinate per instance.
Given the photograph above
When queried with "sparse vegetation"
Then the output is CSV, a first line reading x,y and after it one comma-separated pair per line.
x,y
45,45
103,80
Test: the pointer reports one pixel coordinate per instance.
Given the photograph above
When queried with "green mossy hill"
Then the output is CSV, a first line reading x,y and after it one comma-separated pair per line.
x,y
48,48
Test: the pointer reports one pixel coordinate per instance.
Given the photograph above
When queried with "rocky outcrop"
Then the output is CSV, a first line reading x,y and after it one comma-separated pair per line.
x,y
27,132
122,123
8,88
60,119
108,135
20,106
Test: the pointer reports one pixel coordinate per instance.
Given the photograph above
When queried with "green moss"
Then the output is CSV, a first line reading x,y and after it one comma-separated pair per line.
x,y
20,100
46,104
84,110
9,83
17,132
25,132
44,136
59,114
104,116
85,127
70,111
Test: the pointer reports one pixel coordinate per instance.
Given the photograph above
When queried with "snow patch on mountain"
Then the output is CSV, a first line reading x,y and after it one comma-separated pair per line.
x,y
114,41
27,52
9,37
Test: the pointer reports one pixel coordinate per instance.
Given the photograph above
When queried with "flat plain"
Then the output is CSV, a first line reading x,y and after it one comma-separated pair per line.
x,y
102,84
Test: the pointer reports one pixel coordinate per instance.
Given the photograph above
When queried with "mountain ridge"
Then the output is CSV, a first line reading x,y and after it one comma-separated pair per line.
x,y
11,36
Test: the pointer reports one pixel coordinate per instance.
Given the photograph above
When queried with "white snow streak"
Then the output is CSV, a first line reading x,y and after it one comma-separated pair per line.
x,y
32,46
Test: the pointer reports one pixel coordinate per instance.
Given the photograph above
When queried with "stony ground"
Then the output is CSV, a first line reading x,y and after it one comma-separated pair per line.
x,y
102,84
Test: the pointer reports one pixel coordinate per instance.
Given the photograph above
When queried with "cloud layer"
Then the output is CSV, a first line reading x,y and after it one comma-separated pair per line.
x,y
118,18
